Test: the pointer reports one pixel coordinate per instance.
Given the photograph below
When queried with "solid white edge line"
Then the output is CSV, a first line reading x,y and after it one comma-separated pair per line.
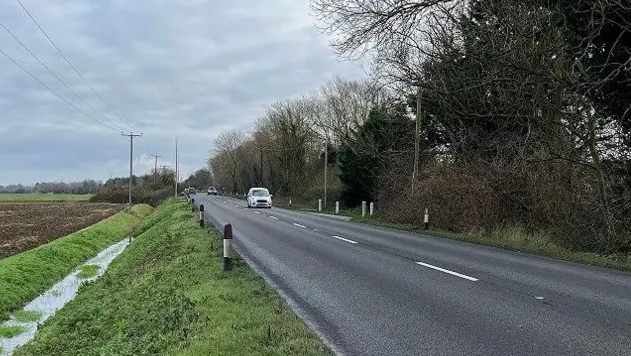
x,y
343,239
300,226
273,217
447,271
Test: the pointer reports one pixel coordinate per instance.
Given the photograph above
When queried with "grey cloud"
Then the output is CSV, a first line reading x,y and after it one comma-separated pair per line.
x,y
186,68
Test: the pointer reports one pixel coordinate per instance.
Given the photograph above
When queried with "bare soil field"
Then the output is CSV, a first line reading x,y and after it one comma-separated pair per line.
x,y
26,225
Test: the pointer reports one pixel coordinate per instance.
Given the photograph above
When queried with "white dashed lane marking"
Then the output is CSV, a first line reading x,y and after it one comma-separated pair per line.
x,y
343,239
447,271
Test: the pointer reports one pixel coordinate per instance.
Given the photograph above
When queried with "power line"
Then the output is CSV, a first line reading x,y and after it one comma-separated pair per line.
x,y
53,92
56,77
72,66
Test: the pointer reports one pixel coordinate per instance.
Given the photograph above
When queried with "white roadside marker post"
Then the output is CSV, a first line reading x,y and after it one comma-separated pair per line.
x,y
372,208
426,220
227,244
319,205
201,215
337,207
363,209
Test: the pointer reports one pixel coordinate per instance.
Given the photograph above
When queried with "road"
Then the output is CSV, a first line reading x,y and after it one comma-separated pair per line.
x,y
369,290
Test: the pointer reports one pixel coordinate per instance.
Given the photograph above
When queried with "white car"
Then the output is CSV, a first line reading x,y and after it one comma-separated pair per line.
x,y
259,198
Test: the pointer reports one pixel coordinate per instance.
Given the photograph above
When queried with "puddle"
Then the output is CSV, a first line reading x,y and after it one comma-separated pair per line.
x,y
56,297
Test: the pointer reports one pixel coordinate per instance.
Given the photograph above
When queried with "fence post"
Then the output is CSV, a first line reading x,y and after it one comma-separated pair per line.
x,y
363,208
201,215
426,219
372,208
319,204
337,207
227,242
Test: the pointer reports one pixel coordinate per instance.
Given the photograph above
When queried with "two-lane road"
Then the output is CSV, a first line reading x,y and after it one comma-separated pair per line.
x,y
375,291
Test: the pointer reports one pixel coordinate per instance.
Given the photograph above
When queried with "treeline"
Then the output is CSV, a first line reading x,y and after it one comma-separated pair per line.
x,y
83,187
150,188
164,177
286,150
522,109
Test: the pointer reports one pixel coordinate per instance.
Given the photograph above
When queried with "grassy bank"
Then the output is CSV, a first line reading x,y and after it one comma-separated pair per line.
x,y
34,197
167,295
509,238
26,275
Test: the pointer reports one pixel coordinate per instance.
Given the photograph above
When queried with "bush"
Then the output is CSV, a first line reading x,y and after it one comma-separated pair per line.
x,y
138,196
458,200
481,197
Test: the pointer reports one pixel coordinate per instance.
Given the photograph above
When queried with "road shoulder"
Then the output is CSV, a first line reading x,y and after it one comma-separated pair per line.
x,y
167,294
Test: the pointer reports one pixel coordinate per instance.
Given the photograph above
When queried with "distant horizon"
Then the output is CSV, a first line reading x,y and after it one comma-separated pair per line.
x,y
183,177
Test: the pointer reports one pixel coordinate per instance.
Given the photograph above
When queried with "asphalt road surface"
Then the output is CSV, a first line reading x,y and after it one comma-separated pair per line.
x,y
369,291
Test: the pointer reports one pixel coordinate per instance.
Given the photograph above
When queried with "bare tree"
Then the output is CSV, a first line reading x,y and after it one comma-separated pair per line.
x,y
342,105
227,160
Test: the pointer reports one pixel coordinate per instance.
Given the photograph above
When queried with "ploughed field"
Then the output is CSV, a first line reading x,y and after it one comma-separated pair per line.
x,y
25,225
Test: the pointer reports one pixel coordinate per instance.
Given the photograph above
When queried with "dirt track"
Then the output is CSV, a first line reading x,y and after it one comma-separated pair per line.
x,y
27,225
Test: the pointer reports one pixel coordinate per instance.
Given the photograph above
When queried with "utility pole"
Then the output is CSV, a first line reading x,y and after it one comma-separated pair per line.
x,y
131,158
176,168
417,137
326,164
261,166
155,168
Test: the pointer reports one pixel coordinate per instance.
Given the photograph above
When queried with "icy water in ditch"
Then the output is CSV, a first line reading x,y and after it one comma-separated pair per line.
x,y
55,298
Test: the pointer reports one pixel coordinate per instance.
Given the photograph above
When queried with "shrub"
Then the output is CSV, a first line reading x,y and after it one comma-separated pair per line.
x,y
138,195
481,197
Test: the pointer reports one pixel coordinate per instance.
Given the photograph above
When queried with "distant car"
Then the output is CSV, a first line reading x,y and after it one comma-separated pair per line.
x,y
212,191
259,198
190,191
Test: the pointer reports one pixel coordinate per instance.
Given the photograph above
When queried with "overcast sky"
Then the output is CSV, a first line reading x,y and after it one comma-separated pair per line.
x,y
185,68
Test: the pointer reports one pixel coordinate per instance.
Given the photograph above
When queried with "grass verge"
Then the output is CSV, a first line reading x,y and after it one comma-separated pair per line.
x,y
34,197
26,275
167,295
11,331
88,271
508,238
26,316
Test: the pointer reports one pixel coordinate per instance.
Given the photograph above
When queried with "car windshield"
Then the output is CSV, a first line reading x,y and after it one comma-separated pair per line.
x,y
260,193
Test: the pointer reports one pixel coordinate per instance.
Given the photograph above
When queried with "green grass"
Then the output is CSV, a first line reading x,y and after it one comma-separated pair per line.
x,y
11,331
167,295
27,316
508,238
34,197
26,275
88,271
